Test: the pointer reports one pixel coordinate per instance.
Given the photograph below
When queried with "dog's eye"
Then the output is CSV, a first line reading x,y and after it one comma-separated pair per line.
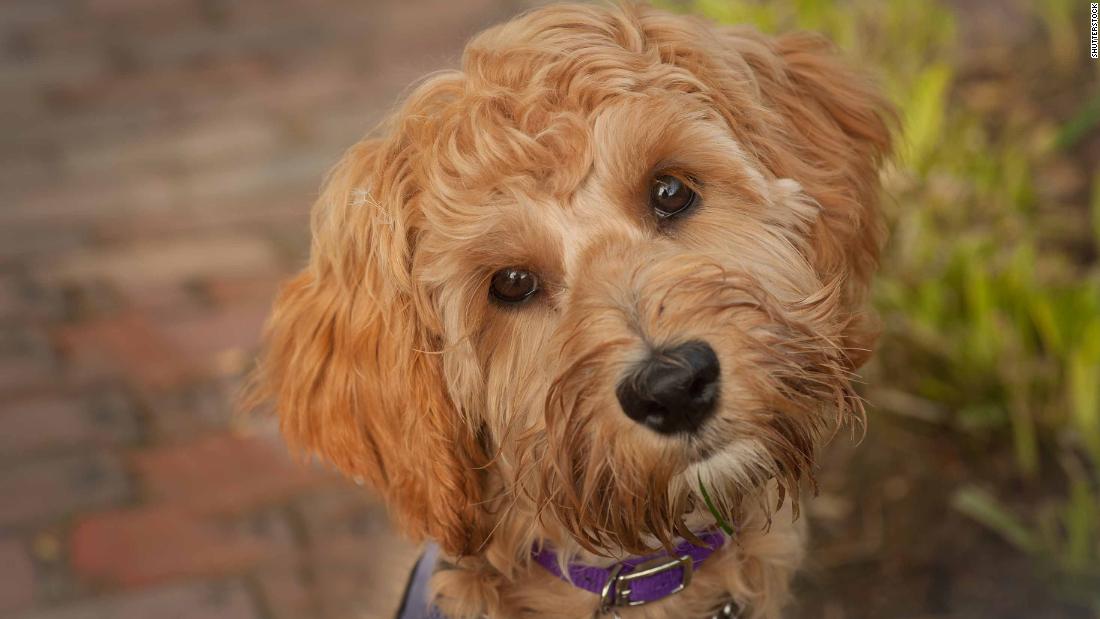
x,y
513,285
670,196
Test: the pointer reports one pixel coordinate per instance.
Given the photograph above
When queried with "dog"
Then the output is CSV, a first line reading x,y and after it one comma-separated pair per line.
x,y
582,311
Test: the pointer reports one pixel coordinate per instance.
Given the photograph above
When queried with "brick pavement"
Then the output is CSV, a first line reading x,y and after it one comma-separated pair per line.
x,y
157,161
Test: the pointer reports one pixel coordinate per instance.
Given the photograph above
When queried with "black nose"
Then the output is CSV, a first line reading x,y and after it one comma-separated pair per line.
x,y
675,390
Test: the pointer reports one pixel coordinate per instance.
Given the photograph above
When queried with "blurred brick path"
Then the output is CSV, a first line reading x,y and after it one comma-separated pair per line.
x,y
157,162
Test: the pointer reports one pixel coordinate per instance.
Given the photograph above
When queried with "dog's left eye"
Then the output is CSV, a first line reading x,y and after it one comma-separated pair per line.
x,y
513,285
670,196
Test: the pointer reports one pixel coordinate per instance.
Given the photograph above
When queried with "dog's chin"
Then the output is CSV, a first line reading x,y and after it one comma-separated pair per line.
x,y
729,471
712,449
733,467
701,449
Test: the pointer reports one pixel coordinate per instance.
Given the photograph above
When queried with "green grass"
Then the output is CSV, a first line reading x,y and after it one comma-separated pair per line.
x,y
991,306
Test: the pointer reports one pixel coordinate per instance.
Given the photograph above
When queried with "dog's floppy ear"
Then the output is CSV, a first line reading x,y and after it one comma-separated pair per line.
x,y
833,133
349,358
805,115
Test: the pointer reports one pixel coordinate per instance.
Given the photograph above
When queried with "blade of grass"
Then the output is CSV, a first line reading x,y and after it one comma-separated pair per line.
x,y
1080,125
718,518
983,508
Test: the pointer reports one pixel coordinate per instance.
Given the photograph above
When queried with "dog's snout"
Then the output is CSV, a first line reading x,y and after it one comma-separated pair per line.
x,y
674,390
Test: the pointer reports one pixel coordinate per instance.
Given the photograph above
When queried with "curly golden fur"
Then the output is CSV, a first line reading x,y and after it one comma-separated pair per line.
x,y
489,427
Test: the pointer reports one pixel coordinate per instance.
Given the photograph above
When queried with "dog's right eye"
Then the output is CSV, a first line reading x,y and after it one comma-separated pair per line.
x,y
513,285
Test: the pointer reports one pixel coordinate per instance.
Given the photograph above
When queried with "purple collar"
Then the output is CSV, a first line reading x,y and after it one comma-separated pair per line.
x,y
633,582
637,580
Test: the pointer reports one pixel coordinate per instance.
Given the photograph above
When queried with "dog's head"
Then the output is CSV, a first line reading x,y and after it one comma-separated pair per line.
x,y
620,253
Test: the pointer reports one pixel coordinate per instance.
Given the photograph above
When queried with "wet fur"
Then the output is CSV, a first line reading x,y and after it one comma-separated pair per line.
x,y
488,428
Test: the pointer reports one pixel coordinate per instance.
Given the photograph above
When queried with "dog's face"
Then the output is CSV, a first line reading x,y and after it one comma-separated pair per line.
x,y
620,254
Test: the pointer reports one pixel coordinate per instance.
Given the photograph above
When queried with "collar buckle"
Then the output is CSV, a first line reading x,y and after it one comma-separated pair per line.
x,y
617,590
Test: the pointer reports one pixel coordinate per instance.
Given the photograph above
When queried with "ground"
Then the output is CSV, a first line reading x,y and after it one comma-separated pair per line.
x,y
157,160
